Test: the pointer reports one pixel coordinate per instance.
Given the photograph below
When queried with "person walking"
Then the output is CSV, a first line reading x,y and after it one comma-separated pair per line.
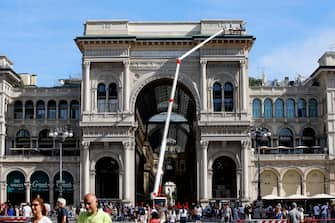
x,y
39,211
62,213
92,214
294,215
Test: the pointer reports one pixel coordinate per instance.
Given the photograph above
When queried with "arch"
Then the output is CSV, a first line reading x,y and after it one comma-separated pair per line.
x,y
40,110
39,182
315,183
269,182
313,108
256,108
153,76
74,110
63,110
228,97
22,139
302,111
113,99
52,108
268,108
217,97
67,186
291,183
101,97
285,137
308,137
107,168
290,108
224,178
279,108
18,110
44,140
16,190
29,110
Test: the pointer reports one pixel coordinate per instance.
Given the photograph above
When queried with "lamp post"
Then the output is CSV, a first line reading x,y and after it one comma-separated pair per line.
x,y
60,134
258,134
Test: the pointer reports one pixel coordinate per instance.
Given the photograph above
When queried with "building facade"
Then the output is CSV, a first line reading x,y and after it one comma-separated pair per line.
x,y
117,114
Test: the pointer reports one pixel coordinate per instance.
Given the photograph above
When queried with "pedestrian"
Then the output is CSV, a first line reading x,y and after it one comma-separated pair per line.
x,y
62,213
39,211
92,213
294,215
27,210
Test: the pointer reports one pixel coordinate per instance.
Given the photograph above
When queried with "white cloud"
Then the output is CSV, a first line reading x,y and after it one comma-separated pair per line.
x,y
297,57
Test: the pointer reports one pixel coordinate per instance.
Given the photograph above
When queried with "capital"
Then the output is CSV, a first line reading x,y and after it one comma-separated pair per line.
x,y
127,144
126,62
85,144
203,61
86,63
204,144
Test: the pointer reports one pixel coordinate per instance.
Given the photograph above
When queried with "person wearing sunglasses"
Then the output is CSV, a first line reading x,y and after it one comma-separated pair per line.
x,y
39,211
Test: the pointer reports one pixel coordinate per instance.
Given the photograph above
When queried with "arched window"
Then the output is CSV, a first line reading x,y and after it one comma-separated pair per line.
x,y
22,139
290,108
228,97
101,94
74,110
18,110
44,140
285,137
63,110
113,102
267,108
308,137
279,108
40,110
313,108
29,110
217,97
52,110
256,108
302,108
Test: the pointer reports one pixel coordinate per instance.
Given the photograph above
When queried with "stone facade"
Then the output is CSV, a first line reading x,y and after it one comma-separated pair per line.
x,y
127,69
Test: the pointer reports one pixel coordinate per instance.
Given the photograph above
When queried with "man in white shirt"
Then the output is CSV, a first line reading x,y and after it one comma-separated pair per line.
x,y
27,210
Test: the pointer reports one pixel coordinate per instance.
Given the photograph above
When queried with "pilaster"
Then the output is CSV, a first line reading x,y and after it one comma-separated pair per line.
x,y
126,85
86,85
85,168
203,85
129,169
245,163
27,185
243,86
204,169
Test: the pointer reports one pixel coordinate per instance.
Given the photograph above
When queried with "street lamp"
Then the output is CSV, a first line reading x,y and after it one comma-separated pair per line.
x,y
60,134
258,134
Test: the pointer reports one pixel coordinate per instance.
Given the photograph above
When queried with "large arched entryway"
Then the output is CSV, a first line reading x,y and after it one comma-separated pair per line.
x,y
16,190
39,182
107,178
180,158
224,178
67,187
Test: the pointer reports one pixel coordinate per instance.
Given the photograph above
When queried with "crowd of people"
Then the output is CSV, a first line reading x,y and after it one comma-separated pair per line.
x,y
91,210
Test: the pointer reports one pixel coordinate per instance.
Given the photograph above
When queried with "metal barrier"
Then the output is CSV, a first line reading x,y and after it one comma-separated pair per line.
x,y
13,219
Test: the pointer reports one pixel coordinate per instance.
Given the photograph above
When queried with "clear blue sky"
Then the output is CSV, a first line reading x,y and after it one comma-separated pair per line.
x,y
37,35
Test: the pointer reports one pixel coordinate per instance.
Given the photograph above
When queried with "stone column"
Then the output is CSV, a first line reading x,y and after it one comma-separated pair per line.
x,y
86,85
85,168
27,184
51,193
3,193
2,142
129,172
126,85
245,167
204,170
280,188
243,86
203,85
238,183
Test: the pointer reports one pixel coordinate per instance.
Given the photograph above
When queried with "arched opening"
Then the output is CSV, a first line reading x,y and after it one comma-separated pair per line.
x,y
107,168
224,178
16,190
180,157
269,182
292,183
39,182
315,183
67,187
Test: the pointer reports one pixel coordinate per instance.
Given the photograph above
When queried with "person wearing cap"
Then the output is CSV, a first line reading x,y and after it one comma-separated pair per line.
x,y
92,213
294,215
